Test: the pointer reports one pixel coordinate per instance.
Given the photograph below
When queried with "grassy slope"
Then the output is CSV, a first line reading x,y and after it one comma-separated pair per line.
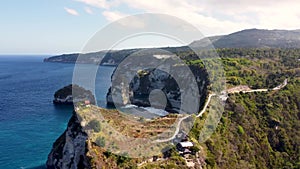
x,y
258,131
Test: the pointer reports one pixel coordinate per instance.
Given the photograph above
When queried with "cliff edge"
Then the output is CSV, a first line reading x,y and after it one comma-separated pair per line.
x,y
69,150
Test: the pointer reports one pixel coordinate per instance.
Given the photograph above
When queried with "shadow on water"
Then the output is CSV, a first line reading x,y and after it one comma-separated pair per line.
x,y
63,107
39,167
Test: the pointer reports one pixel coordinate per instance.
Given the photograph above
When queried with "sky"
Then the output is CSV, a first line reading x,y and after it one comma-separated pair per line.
x,y
65,26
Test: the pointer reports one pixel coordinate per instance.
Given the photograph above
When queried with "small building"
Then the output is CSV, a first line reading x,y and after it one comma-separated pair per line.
x,y
183,146
87,102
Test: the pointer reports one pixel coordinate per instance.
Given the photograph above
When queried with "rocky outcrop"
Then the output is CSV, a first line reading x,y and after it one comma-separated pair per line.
x,y
145,81
69,150
73,93
75,150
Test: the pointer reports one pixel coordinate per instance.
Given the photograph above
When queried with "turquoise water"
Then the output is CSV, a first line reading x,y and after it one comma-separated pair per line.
x,y
29,122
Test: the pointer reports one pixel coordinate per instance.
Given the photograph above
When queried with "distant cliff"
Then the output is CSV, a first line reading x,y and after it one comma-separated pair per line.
x,y
105,58
249,38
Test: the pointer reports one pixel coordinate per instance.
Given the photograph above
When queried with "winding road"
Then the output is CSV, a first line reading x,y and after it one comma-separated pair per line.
x,y
206,105
183,118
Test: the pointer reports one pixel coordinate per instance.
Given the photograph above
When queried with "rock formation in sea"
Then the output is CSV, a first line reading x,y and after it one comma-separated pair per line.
x,y
73,93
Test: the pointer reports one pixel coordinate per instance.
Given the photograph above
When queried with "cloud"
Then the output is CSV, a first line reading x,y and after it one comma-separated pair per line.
x,y
113,15
71,11
188,11
105,4
215,16
88,10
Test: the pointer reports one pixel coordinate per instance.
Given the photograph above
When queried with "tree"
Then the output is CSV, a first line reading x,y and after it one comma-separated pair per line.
x,y
100,141
95,125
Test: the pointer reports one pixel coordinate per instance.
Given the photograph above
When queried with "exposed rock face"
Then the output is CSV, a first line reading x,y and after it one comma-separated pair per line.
x,y
72,93
148,80
69,150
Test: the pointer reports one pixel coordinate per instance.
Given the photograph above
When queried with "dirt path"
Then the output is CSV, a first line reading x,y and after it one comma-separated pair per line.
x,y
183,118
244,90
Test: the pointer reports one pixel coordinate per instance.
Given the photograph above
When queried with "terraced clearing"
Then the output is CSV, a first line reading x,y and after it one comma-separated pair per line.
x,y
130,125
124,133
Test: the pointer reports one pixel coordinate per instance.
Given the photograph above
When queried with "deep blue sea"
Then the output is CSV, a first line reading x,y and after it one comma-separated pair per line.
x,y
29,122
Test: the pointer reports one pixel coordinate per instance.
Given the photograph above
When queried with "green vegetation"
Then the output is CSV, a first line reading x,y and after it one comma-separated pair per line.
x,y
241,130
100,141
267,135
258,68
76,92
99,157
95,125
174,162
257,130
142,73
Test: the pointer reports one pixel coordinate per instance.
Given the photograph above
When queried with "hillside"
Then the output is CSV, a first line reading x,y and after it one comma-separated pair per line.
x,y
251,38
260,129
257,130
107,58
255,38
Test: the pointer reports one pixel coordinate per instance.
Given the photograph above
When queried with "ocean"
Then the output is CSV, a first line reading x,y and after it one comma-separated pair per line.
x,y
29,122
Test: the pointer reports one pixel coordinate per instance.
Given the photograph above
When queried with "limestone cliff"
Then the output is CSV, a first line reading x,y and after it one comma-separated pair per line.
x,y
146,81
69,150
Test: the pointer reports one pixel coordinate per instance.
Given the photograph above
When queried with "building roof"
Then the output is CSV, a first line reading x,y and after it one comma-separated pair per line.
x,y
186,144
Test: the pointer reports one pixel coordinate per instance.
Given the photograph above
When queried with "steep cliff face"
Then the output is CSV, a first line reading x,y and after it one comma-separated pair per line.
x,y
69,150
166,91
